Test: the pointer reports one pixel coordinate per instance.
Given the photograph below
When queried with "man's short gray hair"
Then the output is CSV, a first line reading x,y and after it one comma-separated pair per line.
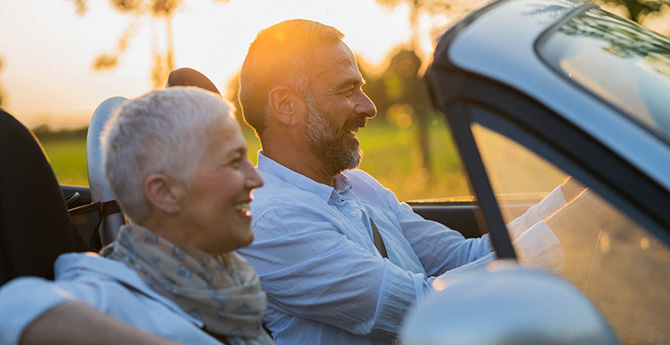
x,y
280,54
161,132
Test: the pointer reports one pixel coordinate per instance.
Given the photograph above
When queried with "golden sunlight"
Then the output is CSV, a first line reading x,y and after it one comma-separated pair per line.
x,y
48,75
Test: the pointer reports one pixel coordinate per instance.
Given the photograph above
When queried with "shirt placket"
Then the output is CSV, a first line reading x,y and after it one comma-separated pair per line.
x,y
355,214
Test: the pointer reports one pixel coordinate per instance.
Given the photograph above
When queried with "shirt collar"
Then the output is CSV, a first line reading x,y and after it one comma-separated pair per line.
x,y
269,166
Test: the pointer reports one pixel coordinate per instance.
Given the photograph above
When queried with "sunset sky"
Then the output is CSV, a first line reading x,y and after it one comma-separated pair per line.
x,y
48,49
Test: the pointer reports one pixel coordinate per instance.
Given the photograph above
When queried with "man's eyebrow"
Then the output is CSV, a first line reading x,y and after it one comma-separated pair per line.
x,y
351,82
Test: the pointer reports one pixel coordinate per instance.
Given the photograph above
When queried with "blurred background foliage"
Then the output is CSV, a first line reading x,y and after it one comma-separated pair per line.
x,y
142,11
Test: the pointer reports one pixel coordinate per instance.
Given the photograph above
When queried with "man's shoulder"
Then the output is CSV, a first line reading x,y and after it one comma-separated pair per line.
x,y
366,186
278,193
360,176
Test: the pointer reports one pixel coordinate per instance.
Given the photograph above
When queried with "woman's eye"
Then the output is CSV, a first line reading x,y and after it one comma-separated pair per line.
x,y
235,164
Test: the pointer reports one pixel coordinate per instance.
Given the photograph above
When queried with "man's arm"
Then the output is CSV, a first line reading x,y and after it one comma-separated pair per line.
x,y
74,322
439,248
312,271
443,251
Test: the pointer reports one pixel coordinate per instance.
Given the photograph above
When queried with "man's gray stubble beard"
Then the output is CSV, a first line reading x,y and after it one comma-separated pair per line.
x,y
329,144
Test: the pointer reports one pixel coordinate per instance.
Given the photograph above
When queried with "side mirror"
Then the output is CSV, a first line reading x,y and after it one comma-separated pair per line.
x,y
505,304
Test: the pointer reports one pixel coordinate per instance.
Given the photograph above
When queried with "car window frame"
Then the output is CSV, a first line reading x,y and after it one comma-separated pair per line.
x,y
575,152
571,155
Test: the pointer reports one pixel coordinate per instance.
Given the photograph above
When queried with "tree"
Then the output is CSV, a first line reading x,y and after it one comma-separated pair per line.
x,y
411,60
430,7
162,61
637,9
407,96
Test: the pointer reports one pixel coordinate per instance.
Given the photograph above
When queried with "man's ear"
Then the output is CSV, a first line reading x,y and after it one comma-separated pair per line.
x,y
163,193
286,105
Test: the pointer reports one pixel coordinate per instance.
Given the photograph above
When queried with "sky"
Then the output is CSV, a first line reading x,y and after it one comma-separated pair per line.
x,y
48,49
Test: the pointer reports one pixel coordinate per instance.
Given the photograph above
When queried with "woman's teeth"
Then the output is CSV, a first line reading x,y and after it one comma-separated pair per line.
x,y
242,207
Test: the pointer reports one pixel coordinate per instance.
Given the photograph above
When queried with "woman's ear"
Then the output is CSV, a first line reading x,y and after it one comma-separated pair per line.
x,y
164,193
286,105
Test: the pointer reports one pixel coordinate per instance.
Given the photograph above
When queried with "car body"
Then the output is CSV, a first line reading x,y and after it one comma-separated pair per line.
x,y
537,93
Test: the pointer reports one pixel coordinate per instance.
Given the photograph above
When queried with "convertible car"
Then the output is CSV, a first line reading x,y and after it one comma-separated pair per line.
x,y
537,93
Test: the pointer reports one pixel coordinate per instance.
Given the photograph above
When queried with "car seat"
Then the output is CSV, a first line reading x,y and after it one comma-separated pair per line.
x,y
34,224
186,76
109,213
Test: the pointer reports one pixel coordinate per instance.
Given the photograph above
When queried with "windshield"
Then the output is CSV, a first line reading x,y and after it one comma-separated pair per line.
x,y
622,266
618,60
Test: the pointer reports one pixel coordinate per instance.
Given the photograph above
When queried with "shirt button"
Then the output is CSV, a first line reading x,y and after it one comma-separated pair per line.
x,y
354,214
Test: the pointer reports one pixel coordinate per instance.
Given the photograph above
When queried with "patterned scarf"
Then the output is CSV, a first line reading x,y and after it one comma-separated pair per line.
x,y
223,292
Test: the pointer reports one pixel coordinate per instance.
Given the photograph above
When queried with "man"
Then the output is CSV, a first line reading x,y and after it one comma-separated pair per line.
x,y
340,258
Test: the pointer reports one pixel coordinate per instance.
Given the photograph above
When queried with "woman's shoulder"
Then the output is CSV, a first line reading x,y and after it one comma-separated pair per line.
x,y
89,263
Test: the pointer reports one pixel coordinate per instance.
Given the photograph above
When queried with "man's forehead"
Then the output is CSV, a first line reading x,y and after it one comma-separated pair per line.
x,y
334,54
336,61
346,57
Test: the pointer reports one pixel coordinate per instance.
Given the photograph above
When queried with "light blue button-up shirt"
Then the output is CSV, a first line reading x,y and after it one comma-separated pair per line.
x,y
107,285
326,282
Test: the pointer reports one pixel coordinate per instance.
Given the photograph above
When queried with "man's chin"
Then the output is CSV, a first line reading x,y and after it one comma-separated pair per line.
x,y
355,159
352,141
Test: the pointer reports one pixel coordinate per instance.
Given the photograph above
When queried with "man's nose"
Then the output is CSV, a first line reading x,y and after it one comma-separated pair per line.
x,y
366,107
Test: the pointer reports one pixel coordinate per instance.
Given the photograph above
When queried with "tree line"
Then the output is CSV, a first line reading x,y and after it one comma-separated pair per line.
x,y
398,92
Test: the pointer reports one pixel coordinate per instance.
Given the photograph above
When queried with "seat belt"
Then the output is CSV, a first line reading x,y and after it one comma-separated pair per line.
x,y
377,239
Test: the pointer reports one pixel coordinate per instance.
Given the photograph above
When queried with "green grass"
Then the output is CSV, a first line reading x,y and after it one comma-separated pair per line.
x,y
68,159
391,156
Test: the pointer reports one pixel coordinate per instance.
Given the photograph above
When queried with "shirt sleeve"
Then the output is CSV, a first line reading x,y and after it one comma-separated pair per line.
x,y
539,247
22,301
534,242
311,270
439,248
445,251
536,213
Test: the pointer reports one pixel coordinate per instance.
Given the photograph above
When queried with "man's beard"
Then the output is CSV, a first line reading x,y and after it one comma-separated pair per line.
x,y
335,147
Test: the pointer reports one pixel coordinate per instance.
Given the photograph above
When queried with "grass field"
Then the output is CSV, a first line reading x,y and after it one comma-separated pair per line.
x,y
391,156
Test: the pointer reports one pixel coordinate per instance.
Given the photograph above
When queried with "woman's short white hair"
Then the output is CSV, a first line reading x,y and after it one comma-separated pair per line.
x,y
163,132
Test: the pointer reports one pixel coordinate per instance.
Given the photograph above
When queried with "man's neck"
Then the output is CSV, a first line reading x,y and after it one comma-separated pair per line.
x,y
304,163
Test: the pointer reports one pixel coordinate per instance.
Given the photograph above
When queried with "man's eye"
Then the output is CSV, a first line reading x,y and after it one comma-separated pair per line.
x,y
349,93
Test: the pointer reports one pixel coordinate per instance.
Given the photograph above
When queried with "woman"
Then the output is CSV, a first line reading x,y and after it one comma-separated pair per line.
x,y
177,163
